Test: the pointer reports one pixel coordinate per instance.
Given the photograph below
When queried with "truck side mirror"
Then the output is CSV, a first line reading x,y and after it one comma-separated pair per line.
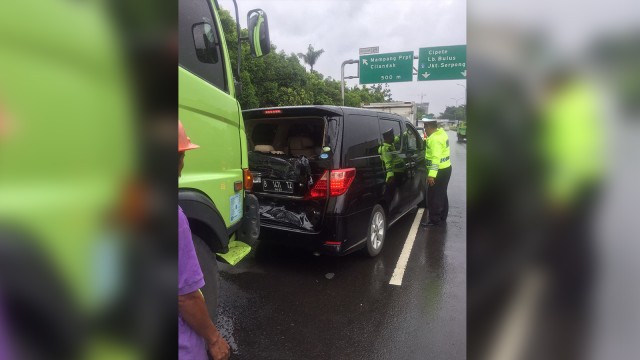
x,y
258,32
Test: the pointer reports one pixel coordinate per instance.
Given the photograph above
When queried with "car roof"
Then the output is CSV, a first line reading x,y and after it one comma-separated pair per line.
x,y
318,110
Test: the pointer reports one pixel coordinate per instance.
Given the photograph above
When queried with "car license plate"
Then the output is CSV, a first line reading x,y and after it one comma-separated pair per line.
x,y
278,186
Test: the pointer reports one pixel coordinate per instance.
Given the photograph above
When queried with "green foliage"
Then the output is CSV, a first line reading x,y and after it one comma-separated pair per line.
x,y
454,113
280,79
420,112
366,95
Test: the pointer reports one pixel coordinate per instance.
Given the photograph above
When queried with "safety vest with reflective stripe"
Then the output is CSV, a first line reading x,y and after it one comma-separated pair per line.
x,y
389,159
437,153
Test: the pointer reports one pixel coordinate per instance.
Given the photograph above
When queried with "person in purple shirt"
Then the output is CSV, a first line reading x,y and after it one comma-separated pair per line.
x,y
197,335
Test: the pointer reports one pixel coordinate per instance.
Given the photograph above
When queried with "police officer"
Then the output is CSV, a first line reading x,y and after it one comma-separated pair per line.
x,y
386,151
439,168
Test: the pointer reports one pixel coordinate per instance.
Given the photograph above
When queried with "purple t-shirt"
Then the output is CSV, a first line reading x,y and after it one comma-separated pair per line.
x,y
190,345
5,351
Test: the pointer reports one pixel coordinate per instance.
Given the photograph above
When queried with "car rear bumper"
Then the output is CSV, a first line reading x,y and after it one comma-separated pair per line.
x,y
339,235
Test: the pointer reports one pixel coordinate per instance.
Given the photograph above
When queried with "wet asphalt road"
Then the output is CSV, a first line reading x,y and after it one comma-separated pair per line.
x,y
282,303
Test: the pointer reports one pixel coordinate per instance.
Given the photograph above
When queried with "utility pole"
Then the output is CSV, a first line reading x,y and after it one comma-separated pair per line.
x,y
465,93
465,90
455,115
421,105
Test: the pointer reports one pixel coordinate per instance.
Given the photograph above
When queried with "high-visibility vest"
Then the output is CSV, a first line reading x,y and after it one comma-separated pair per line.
x,y
388,157
438,152
573,149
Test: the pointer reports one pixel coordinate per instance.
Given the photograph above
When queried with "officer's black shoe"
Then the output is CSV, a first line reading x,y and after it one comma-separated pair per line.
x,y
430,223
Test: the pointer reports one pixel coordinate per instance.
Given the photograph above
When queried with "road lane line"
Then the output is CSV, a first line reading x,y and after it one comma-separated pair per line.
x,y
513,333
401,266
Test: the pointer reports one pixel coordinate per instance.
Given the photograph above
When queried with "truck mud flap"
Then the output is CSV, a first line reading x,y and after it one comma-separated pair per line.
x,y
250,226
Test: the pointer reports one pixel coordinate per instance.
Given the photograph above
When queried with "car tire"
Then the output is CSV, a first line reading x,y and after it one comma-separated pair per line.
x,y
377,231
209,267
423,203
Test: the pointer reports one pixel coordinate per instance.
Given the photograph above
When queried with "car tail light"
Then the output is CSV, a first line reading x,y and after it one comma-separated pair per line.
x,y
248,179
335,182
319,190
341,180
272,112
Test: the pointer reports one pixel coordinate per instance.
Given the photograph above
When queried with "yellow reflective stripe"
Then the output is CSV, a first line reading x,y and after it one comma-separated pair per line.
x,y
256,37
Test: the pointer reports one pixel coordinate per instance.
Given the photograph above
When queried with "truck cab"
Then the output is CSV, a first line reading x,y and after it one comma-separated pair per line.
x,y
215,185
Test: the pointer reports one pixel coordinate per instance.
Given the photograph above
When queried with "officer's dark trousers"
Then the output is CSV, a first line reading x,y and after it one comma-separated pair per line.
x,y
437,199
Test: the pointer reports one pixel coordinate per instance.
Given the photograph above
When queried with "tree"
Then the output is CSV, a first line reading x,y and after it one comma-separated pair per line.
x,y
311,56
454,113
279,79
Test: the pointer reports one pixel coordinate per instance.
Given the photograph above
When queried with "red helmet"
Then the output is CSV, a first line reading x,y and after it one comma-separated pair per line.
x,y
184,142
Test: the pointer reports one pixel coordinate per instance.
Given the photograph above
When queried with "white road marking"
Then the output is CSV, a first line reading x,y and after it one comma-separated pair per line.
x,y
401,266
512,335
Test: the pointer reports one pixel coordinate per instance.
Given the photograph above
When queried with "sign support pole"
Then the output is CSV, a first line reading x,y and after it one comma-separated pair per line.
x,y
349,77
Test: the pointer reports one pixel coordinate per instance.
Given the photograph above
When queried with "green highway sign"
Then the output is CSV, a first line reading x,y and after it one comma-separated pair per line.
x,y
442,63
386,68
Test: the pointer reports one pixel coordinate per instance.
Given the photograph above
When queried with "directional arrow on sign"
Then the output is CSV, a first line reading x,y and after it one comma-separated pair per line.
x,y
391,67
453,66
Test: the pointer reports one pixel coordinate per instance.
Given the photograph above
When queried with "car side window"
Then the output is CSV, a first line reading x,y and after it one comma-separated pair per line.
x,y
413,138
391,131
199,43
361,137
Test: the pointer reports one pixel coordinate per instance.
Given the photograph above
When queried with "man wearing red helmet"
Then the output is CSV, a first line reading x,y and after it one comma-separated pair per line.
x,y
197,334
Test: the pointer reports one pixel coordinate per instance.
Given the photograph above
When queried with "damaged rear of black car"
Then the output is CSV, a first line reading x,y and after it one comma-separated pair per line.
x,y
323,175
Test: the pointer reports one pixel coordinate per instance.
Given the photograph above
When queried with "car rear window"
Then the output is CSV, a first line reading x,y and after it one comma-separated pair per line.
x,y
293,136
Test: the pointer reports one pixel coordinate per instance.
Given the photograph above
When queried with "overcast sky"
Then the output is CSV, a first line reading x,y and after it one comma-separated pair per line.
x,y
341,27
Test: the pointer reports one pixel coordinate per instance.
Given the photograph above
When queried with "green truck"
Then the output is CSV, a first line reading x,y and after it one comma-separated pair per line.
x,y
214,189
462,131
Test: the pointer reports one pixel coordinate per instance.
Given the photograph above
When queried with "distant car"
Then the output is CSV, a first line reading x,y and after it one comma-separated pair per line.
x,y
333,179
